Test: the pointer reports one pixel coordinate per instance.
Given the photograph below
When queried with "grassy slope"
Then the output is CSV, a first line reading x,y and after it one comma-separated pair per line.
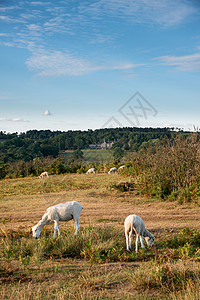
x,y
23,201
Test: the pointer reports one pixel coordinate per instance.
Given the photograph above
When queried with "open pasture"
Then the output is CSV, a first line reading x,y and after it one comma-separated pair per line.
x,y
94,264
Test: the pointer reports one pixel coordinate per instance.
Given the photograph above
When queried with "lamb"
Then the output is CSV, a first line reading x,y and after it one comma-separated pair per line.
x,y
60,212
44,174
113,170
134,222
91,171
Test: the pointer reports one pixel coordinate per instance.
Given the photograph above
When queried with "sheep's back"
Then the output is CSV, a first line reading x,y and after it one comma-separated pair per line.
x,y
136,222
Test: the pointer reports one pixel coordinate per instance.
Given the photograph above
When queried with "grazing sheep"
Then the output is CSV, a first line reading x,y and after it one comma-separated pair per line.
x,y
113,170
134,222
60,212
44,174
91,171
121,167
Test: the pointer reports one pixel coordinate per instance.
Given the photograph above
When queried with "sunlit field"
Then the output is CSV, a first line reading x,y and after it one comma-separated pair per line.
x,y
95,264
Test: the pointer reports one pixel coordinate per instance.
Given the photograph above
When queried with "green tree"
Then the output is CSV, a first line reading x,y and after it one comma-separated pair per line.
x,y
118,153
77,154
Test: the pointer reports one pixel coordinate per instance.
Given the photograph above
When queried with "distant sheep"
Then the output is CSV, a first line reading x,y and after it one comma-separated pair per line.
x,y
44,174
121,167
60,212
91,171
113,170
134,222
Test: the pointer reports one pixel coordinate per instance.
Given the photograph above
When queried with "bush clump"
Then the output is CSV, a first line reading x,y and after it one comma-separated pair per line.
x,y
169,169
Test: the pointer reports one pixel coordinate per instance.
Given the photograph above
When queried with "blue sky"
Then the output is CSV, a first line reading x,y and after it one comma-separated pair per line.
x,y
69,65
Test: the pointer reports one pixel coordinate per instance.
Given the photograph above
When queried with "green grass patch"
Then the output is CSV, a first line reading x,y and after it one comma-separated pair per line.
x,y
97,245
32,186
98,155
163,269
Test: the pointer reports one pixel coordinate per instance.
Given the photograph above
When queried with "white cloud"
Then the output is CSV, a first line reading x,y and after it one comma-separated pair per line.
x,y
85,18
8,19
190,63
47,113
57,63
165,13
18,120
34,27
7,8
8,44
36,3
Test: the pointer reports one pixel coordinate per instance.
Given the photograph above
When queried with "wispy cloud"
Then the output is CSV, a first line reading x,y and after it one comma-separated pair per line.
x,y
57,63
37,23
18,120
10,19
13,119
85,18
36,3
190,63
165,13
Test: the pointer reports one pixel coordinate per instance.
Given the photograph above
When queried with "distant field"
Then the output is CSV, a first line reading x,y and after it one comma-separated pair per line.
x,y
94,264
93,155
98,155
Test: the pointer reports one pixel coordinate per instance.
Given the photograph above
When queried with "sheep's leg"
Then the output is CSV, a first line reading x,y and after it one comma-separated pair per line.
x,y
130,239
76,225
141,241
127,242
136,243
56,227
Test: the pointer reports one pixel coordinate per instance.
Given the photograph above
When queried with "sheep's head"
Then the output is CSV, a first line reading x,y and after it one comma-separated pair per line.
x,y
150,240
36,231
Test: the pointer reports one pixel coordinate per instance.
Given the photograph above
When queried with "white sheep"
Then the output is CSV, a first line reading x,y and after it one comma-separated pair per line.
x,y
91,171
134,222
44,174
121,167
60,212
113,170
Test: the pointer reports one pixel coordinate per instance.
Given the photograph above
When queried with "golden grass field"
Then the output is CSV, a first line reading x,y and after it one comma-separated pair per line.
x,y
24,201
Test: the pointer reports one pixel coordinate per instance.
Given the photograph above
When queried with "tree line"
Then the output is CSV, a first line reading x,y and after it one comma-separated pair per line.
x,y
43,143
30,153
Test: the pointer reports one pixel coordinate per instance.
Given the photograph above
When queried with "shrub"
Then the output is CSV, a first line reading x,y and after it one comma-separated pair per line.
x,y
170,168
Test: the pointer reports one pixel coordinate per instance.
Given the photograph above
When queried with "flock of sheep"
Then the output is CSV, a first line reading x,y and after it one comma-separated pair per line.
x,y
72,210
90,171
111,171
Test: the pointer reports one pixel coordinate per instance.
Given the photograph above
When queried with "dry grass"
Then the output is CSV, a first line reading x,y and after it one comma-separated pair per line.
x,y
23,202
101,205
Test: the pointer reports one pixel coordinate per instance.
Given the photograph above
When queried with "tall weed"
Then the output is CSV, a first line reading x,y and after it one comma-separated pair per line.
x,y
164,277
